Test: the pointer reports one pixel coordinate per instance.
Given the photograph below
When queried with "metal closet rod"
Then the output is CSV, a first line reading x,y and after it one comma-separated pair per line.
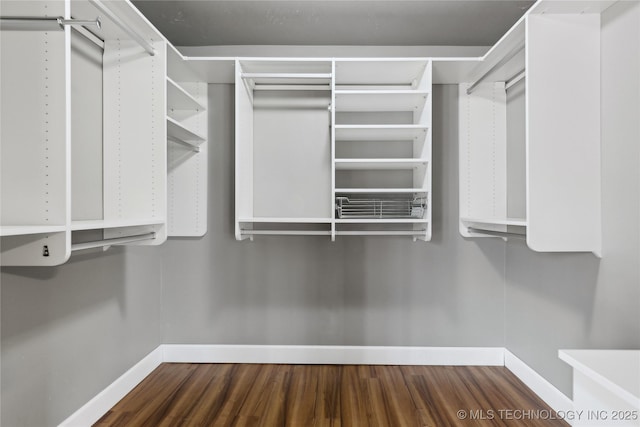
x,y
499,64
497,233
58,23
45,24
113,241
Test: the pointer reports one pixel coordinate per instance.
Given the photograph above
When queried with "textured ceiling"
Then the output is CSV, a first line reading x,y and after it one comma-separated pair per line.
x,y
333,22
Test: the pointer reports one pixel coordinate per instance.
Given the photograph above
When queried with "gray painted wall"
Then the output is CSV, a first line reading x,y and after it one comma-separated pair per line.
x,y
70,331
355,291
556,301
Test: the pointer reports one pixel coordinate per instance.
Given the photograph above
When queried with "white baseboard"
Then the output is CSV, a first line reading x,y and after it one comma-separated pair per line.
x,y
344,355
341,355
543,388
94,409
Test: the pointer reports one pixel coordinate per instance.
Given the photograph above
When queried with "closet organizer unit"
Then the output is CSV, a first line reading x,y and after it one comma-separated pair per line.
x,y
187,148
530,133
333,147
83,129
382,159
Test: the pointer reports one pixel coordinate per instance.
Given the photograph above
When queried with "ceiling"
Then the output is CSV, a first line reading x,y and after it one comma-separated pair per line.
x,y
333,22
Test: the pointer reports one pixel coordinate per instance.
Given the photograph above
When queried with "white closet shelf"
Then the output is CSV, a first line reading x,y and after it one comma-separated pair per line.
x,y
518,222
380,132
382,221
374,164
177,131
97,224
297,220
392,71
380,190
179,99
17,230
288,78
380,100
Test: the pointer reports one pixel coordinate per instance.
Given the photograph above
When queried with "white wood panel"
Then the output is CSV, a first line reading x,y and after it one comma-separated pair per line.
x,y
188,176
482,139
33,135
244,152
135,148
86,130
563,144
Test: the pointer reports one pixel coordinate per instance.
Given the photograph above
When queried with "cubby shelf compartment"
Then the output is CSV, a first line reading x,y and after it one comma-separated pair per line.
x,y
175,130
374,164
405,73
18,230
180,99
380,132
380,100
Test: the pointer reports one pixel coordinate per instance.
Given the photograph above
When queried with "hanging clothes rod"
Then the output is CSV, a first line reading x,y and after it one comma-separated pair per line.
x,y
497,233
285,233
44,24
499,64
113,241
124,27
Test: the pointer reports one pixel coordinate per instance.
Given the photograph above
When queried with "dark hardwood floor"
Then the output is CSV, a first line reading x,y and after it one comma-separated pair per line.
x,y
329,395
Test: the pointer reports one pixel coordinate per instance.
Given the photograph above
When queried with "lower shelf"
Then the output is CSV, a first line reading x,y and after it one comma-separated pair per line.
x,y
518,222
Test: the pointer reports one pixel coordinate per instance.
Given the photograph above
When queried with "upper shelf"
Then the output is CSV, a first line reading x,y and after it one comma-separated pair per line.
x,y
408,73
180,99
380,132
380,100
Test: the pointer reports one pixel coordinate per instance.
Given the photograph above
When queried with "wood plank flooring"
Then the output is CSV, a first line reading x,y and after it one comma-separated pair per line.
x,y
178,394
